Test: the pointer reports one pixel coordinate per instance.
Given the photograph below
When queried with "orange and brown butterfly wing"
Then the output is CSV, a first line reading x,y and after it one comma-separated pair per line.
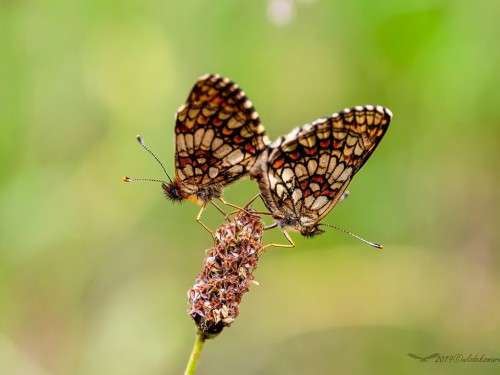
x,y
307,171
218,135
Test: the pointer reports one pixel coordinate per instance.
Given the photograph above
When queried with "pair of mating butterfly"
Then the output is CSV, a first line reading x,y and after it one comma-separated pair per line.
x,y
301,176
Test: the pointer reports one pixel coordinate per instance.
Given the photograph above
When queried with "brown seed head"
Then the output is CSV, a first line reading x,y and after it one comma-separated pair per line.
x,y
227,273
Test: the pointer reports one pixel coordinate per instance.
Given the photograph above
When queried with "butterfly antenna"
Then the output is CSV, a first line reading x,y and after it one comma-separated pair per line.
x,y
141,141
376,245
132,179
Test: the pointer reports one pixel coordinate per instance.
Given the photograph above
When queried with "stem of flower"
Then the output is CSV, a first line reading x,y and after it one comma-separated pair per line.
x,y
195,353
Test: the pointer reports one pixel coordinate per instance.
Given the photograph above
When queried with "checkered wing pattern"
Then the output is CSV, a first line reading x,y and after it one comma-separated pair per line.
x,y
306,171
218,136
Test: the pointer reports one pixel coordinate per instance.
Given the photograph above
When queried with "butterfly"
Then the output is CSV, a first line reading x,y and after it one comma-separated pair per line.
x,y
301,176
218,136
304,174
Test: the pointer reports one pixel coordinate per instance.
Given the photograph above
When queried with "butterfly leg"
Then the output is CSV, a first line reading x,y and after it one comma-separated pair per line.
x,y
226,216
198,220
244,207
251,201
260,212
237,207
290,244
273,225
220,210
223,201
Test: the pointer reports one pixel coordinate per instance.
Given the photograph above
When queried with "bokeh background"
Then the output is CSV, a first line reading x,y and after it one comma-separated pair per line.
x,y
94,272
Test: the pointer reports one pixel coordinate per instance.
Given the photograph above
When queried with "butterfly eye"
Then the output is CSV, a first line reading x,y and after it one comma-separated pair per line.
x,y
318,231
171,191
315,231
310,232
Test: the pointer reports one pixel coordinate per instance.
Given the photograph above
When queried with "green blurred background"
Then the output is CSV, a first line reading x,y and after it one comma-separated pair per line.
x,y
94,272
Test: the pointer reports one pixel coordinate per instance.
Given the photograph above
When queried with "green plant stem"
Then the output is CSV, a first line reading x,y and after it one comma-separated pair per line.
x,y
195,353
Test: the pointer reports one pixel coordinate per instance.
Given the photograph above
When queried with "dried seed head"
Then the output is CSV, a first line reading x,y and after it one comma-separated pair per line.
x,y
227,273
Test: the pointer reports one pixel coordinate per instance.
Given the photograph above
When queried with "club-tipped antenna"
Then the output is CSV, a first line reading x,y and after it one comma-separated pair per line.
x,y
376,245
141,141
132,179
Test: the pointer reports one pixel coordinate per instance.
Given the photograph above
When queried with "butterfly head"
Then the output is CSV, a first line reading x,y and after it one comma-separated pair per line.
x,y
307,227
311,231
176,191
172,191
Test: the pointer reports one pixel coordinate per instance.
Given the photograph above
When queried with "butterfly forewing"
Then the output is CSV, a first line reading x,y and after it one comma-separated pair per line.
x,y
306,171
218,135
